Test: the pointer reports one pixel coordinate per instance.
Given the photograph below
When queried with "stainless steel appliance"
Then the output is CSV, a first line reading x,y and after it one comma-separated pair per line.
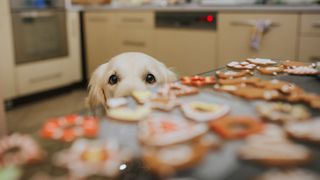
x,y
39,29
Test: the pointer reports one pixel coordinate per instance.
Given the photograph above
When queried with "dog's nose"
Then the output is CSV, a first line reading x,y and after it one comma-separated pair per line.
x,y
126,88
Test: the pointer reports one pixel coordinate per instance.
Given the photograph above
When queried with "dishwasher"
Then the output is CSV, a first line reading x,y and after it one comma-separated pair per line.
x,y
186,41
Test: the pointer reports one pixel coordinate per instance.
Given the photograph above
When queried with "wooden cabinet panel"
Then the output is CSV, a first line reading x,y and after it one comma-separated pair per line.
x,y
309,49
310,24
280,42
139,20
100,43
186,51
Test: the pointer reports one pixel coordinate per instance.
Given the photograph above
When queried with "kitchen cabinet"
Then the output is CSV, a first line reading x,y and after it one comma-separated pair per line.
x,y
309,45
99,38
235,30
187,51
7,70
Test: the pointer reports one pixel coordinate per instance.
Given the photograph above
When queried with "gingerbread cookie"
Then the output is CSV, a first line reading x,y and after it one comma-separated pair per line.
x,y
282,86
289,174
96,157
227,88
128,114
273,70
261,61
229,74
256,93
141,96
19,149
292,64
302,70
241,80
305,131
234,127
283,112
198,80
116,102
241,65
70,127
177,89
201,111
168,130
312,99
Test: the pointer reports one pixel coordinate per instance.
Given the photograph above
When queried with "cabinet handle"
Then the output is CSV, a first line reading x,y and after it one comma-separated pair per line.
x,y
251,23
314,59
316,24
133,20
45,78
98,19
134,43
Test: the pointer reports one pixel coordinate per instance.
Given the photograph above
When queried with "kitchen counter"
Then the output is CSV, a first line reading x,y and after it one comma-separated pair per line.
x,y
197,7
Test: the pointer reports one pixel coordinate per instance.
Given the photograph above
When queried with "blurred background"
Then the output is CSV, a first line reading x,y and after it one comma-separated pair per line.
x,y
49,48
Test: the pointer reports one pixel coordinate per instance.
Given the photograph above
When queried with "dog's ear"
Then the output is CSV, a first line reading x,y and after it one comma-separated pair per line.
x,y
97,94
167,73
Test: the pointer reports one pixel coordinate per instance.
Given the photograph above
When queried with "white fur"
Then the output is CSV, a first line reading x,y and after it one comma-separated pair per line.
x,y
132,68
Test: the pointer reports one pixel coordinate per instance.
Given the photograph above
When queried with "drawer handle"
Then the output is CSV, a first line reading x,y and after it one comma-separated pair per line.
x,y
250,23
314,58
98,19
316,24
134,43
133,20
45,78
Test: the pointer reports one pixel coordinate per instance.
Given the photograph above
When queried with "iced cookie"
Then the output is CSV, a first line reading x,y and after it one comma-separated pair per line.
x,y
292,64
302,70
229,74
282,86
256,93
164,103
128,114
177,89
201,111
261,61
168,130
241,80
117,102
241,65
198,80
227,88
141,96
273,70
234,127
289,174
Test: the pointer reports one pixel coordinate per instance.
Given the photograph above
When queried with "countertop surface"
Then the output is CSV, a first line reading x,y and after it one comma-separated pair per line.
x,y
313,8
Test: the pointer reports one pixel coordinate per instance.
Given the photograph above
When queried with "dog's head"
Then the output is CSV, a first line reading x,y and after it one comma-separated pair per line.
x,y
125,73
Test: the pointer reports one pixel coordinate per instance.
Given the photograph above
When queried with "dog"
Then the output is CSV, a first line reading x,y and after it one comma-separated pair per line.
x,y
125,73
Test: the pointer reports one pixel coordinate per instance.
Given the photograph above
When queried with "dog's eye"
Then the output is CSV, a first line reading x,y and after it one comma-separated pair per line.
x,y
113,79
150,79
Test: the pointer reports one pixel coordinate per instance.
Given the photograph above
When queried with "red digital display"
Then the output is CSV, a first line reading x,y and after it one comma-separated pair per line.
x,y
209,18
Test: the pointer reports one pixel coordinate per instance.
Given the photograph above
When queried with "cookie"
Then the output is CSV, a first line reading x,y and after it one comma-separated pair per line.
x,y
18,149
272,148
241,80
292,64
198,80
163,103
201,111
70,127
312,99
227,88
283,112
141,96
302,70
305,131
128,114
229,74
116,102
96,157
256,93
235,127
168,130
282,86
289,174
273,70
177,89
261,61
241,65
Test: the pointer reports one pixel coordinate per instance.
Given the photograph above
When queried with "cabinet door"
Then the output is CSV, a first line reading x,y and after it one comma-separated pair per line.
x,y
309,49
235,30
99,33
188,52
310,24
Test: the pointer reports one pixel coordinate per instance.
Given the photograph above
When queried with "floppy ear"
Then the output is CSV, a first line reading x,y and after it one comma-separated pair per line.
x,y
167,73
97,94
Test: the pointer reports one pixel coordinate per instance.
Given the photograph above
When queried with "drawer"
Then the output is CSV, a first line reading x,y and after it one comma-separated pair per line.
x,y
135,19
32,78
135,40
310,24
309,49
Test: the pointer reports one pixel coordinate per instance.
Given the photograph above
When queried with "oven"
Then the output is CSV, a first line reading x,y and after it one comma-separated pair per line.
x,y
39,30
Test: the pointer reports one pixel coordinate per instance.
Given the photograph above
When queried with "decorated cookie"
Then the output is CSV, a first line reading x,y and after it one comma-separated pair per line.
x,y
272,70
164,103
241,65
312,99
177,89
117,102
19,149
256,93
292,64
306,131
227,88
128,114
229,74
168,130
141,96
234,127
241,80
272,148
302,70
282,86
70,127
96,157
201,111
283,112
198,80
289,174
261,62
